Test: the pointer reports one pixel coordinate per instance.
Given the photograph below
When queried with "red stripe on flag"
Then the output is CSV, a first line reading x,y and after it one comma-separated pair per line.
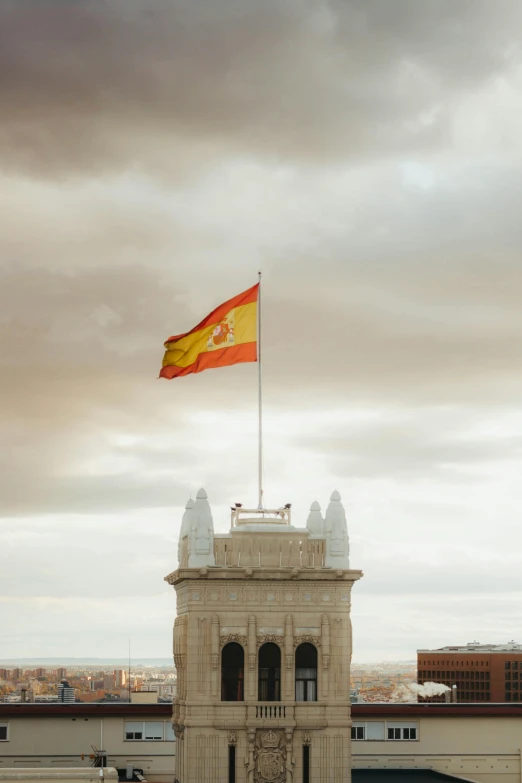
x,y
217,315
235,354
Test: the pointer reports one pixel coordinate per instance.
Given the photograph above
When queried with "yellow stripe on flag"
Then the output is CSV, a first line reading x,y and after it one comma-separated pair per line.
x,y
185,351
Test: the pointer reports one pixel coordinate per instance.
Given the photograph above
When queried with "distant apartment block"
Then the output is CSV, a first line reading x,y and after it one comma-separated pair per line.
x,y
480,672
65,693
120,678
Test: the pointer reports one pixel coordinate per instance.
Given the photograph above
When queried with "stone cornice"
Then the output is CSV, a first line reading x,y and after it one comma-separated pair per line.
x,y
218,573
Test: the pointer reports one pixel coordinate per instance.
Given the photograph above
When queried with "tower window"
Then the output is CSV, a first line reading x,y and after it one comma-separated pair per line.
x,y
306,763
232,672
231,764
269,673
306,673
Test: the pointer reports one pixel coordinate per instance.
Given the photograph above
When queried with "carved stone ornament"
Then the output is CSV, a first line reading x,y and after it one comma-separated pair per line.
x,y
270,758
179,660
233,637
232,738
307,637
178,730
269,637
307,740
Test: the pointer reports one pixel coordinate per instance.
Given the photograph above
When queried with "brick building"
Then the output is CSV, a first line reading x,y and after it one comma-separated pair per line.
x,y
480,672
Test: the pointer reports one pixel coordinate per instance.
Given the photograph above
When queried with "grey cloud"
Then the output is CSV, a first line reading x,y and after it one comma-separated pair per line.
x,y
84,316
41,483
42,625
129,85
391,627
64,554
24,495
366,155
428,443
83,348
455,574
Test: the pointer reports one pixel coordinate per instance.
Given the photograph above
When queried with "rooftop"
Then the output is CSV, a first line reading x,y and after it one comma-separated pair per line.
x,y
400,775
359,711
478,647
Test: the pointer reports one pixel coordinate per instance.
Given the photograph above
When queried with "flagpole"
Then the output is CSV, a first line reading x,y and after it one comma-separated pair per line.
x,y
260,399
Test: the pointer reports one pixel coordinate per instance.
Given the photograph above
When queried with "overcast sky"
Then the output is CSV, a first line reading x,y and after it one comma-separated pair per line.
x,y
366,156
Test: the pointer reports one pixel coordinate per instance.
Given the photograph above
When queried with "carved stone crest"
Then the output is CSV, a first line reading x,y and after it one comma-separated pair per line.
x,y
270,758
306,637
233,637
270,638
232,738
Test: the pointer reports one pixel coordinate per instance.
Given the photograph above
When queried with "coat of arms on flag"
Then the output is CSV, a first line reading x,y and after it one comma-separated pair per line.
x,y
222,335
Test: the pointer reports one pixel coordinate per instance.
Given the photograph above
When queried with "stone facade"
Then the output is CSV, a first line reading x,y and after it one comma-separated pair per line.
x,y
265,589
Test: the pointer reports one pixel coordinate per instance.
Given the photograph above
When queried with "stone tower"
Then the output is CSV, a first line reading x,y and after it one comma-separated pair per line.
x,y
262,647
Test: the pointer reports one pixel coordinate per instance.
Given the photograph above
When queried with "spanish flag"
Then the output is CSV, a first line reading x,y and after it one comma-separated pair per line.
x,y
227,336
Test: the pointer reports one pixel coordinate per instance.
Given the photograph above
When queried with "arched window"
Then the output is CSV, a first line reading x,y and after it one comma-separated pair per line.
x,y
306,673
232,672
269,673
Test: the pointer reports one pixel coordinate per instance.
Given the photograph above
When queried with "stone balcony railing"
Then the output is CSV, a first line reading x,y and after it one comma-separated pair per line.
x,y
270,713
273,713
271,710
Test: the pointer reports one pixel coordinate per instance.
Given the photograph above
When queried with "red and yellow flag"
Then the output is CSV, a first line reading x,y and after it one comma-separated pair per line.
x,y
227,336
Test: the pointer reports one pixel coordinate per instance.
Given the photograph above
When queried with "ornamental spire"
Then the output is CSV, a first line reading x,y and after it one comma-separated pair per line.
x,y
201,537
336,530
186,521
315,521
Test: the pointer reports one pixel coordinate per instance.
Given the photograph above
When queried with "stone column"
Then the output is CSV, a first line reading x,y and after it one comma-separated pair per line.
x,y
325,647
250,761
289,758
214,646
289,657
337,660
250,674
